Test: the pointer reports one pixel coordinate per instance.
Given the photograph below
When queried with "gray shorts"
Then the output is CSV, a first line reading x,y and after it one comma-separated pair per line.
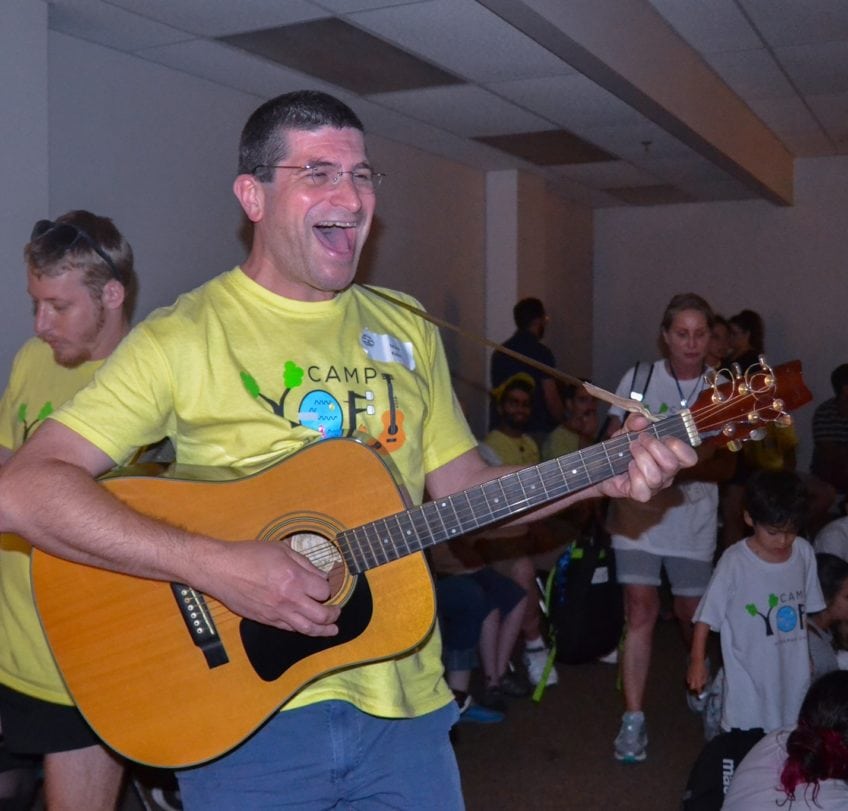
x,y
688,577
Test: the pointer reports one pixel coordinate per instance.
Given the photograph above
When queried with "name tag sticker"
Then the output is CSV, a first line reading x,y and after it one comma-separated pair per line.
x,y
387,348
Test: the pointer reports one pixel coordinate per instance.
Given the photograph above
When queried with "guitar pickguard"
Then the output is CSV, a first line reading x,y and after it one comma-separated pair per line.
x,y
272,651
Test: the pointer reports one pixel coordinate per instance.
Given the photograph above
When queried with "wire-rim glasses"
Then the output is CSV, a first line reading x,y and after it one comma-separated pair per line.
x,y
364,178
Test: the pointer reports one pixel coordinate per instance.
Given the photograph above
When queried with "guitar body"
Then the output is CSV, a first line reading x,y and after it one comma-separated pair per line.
x,y
126,652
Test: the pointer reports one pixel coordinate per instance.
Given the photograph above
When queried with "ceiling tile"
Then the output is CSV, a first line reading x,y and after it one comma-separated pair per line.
x,y
820,68
304,47
832,111
651,195
795,123
464,110
712,26
681,170
719,190
551,148
607,174
110,26
751,74
465,38
799,22
351,6
232,67
213,18
642,140
570,101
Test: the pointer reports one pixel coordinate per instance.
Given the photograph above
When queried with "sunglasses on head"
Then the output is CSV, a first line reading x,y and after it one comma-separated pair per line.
x,y
65,236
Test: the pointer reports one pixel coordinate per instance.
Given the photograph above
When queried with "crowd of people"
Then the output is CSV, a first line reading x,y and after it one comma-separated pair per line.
x,y
730,545
87,393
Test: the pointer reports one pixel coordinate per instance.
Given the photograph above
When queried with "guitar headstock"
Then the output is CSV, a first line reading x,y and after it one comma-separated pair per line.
x,y
730,412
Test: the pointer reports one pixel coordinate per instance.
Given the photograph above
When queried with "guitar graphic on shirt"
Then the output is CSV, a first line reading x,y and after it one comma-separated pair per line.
x,y
393,435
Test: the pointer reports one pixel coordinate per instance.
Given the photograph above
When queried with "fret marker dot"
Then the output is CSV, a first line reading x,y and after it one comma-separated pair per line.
x,y
574,471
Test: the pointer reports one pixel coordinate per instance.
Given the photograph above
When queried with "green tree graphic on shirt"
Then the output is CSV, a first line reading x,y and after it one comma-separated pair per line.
x,y
752,610
45,411
292,379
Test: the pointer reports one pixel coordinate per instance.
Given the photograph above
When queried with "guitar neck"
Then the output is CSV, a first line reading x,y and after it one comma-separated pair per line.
x,y
434,522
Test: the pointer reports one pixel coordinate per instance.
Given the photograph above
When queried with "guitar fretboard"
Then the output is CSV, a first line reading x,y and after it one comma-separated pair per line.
x,y
434,522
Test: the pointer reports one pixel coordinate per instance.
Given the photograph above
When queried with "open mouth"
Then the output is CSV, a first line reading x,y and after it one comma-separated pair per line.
x,y
338,237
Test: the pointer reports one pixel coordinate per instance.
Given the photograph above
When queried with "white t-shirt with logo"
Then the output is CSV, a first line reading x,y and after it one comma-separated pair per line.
x,y
760,610
680,521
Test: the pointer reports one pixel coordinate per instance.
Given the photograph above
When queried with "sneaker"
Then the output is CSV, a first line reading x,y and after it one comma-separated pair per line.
x,y
632,740
478,714
611,658
513,685
535,660
696,703
493,699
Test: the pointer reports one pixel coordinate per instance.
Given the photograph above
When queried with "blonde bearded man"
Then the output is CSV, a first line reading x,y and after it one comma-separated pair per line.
x,y
82,284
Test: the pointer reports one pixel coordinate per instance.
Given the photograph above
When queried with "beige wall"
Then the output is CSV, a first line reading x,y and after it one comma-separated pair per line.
x,y
23,160
429,240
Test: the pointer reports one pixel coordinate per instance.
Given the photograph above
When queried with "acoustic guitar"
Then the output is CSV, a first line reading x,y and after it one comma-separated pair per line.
x,y
169,677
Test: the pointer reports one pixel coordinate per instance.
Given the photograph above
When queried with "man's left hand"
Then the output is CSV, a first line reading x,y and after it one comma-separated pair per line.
x,y
653,465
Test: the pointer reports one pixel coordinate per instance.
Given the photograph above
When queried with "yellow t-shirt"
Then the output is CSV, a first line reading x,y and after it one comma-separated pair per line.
x,y
521,450
771,452
237,376
560,442
37,386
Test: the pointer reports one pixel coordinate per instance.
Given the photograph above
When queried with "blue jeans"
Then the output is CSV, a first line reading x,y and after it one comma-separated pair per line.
x,y
330,755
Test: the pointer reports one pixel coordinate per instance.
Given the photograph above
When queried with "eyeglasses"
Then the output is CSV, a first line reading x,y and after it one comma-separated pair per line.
x,y
66,235
329,174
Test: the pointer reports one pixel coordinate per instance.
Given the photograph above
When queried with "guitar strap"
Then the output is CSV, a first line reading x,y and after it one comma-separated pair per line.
x,y
595,391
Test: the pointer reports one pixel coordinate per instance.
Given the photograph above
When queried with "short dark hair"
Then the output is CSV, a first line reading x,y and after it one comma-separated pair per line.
x,y
752,323
527,311
263,143
777,498
839,378
45,257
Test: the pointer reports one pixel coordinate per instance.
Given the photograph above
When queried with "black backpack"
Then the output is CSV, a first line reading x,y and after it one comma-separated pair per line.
x,y
583,602
585,606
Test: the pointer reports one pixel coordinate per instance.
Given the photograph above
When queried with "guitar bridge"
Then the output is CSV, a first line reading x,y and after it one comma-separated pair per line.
x,y
200,625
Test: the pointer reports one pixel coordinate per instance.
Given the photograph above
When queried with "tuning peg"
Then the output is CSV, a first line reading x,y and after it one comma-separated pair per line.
x,y
734,445
758,434
784,421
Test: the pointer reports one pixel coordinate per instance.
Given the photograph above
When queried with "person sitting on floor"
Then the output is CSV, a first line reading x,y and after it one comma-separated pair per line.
x,y
478,610
509,549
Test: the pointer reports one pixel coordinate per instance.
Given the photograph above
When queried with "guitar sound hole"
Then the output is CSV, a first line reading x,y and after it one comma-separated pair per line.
x,y
322,554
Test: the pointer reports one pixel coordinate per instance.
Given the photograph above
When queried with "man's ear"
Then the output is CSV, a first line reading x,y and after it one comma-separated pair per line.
x,y
250,193
748,520
113,295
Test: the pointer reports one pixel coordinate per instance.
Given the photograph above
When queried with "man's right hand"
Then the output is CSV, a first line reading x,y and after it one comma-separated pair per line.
x,y
269,583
